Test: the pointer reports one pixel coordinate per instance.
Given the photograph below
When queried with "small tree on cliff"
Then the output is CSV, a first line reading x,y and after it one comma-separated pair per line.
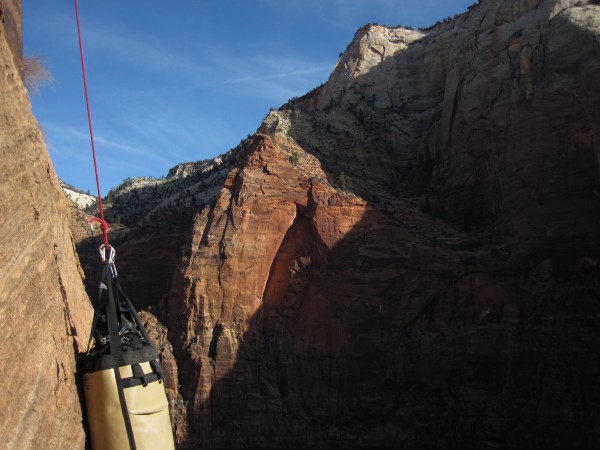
x,y
294,158
344,181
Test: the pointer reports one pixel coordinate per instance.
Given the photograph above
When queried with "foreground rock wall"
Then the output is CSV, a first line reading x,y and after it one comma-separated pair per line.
x,y
12,18
45,313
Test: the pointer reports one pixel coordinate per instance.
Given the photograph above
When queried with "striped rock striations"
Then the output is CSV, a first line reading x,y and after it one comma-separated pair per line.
x,y
45,313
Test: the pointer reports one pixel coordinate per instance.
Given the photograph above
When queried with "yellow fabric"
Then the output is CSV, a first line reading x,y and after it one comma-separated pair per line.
x,y
147,406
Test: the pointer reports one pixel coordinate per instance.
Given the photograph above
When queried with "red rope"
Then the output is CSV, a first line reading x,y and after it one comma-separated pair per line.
x,y
103,223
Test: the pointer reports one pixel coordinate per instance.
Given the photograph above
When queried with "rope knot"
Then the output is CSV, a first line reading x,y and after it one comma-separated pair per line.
x,y
103,227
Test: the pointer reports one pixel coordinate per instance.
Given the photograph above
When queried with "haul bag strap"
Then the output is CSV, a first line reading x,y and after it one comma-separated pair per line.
x,y
93,363
157,369
134,314
97,307
138,373
115,349
141,378
124,410
134,381
111,315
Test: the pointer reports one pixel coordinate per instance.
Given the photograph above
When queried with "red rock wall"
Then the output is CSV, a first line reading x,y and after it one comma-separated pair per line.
x,y
373,325
452,310
44,310
12,18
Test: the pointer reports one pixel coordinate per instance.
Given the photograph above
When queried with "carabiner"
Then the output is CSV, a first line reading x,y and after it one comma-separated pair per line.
x,y
111,258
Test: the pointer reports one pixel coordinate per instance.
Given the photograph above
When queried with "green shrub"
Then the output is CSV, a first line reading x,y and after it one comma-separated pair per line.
x,y
344,181
294,158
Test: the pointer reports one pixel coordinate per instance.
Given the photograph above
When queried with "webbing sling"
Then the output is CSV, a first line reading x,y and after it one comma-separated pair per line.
x,y
122,348
110,294
115,347
113,302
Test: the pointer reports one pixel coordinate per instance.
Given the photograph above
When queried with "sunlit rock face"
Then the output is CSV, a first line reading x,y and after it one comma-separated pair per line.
x,y
406,257
45,313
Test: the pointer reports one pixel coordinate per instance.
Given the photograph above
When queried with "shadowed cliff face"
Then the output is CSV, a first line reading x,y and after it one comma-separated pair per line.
x,y
490,120
447,299
376,332
408,256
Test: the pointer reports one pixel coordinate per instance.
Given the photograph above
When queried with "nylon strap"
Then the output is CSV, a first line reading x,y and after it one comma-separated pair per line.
x,y
115,348
124,410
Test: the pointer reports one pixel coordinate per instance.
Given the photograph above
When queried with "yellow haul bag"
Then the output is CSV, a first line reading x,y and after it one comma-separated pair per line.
x,y
126,404
147,408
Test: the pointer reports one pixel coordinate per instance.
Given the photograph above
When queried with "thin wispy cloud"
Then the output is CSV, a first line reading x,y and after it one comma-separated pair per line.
x,y
137,152
117,44
284,77
268,77
284,66
133,49
80,143
198,66
220,67
187,85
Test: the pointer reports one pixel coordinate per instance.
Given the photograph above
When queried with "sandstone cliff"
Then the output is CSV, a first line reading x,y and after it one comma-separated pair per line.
x,y
406,257
45,313
11,16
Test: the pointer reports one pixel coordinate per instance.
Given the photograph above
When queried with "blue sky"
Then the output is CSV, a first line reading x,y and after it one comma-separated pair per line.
x,y
180,81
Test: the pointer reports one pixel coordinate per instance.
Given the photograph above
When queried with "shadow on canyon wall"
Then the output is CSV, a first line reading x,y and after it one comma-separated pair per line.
x,y
354,351
403,336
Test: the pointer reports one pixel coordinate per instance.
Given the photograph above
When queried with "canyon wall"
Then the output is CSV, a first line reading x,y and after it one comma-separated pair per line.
x,y
406,257
11,17
45,313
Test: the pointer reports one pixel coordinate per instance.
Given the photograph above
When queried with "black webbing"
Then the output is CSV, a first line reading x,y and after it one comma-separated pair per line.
x,y
115,348
157,369
124,410
133,381
138,372
97,305
135,316
112,318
